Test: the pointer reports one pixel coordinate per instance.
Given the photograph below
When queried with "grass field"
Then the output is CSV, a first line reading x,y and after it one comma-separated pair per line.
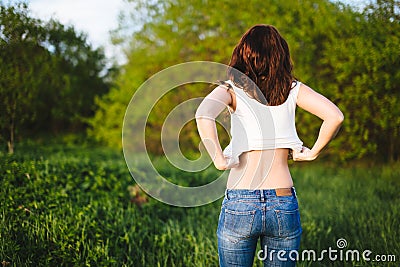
x,y
71,206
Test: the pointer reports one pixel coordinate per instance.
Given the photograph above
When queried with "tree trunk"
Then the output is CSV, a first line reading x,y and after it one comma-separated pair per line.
x,y
10,147
10,143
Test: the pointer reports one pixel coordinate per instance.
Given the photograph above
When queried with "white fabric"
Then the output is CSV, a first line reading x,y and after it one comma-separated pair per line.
x,y
255,126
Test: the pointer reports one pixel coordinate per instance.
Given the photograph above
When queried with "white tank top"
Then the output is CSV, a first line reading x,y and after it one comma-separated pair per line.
x,y
255,126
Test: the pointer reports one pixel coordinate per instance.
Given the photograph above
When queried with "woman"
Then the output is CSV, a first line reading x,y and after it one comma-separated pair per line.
x,y
260,201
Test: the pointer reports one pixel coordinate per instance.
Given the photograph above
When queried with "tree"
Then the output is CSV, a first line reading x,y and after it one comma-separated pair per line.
x,y
349,55
49,75
365,66
23,65
82,72
180,31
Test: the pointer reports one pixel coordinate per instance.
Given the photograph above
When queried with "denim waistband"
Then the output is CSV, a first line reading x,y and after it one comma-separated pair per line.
x,y
256,194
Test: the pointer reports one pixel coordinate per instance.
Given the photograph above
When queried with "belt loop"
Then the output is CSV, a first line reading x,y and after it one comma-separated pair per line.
x,y
262,195
227,194
294,192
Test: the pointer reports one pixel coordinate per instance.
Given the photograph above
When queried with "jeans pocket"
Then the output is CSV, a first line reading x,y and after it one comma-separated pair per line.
x,y
237,225
288,222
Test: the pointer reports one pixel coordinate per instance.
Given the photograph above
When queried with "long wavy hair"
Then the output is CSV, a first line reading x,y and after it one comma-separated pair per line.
x,y
263,55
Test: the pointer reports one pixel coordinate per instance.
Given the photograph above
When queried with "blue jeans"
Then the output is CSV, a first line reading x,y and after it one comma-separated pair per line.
x,y
246,216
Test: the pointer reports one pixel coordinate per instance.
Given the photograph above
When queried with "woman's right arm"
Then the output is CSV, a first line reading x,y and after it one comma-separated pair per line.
x,y
212,105
323,108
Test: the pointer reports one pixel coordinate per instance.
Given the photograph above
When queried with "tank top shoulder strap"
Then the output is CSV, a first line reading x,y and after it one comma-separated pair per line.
x,y
294,92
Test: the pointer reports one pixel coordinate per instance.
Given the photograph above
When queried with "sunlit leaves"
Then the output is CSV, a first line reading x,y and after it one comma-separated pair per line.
x,y
349,55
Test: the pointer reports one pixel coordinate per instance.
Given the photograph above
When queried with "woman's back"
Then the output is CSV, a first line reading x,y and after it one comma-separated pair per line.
x,y
261,169
257,126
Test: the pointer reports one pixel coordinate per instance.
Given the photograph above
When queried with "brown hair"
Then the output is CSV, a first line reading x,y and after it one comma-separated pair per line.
x,y
263,56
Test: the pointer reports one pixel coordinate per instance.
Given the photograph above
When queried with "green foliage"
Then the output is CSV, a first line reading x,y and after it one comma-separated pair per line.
x,y
70,206
73,208
22,75
350,56
49,76
364,66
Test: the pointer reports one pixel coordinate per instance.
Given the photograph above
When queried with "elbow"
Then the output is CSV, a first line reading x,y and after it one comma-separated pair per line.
x,y
202,114
198,116
340,118
335,119
202,120
198,121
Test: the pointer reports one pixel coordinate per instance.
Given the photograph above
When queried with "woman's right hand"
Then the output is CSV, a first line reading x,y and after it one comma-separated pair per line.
x,y
220,163
305,154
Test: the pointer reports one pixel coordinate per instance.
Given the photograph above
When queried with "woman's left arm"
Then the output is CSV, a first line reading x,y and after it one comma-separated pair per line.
x,y
212,105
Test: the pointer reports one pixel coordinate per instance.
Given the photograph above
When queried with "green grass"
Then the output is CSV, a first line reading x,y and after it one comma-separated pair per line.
x,y
70,206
